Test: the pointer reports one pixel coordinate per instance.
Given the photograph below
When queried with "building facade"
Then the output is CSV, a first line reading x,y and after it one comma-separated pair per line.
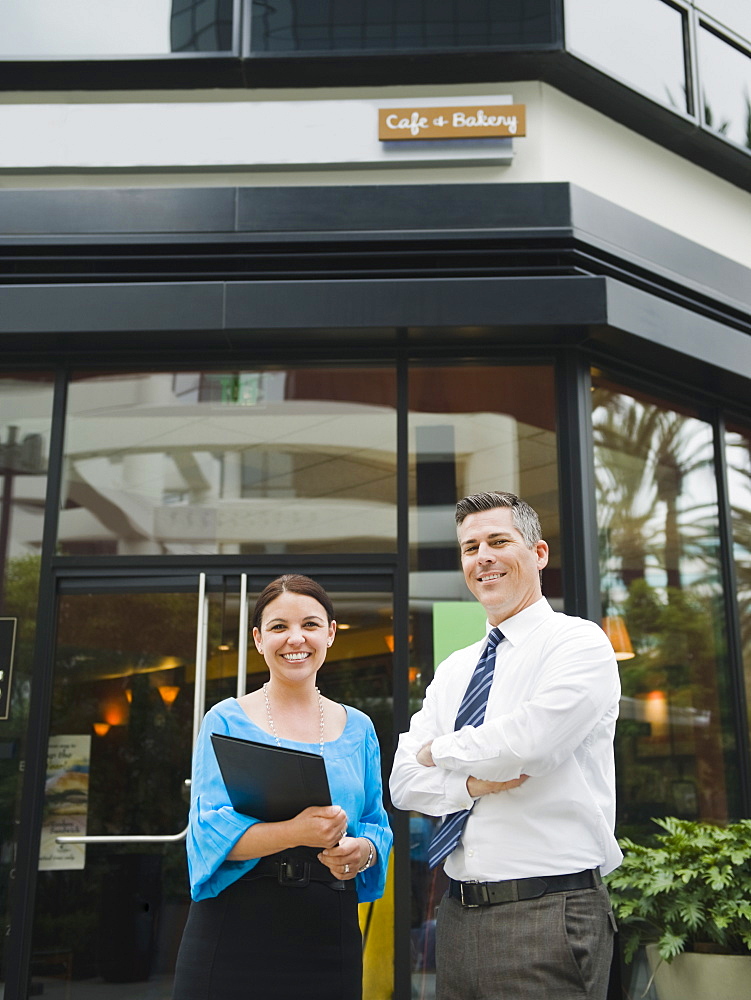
x,y
246,330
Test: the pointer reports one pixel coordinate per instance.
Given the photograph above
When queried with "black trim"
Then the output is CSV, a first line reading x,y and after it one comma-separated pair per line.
x,y
209,235
523,267
79,574
35,765
428,302
735,667
399,819
115,213
229,320
579,535
125,565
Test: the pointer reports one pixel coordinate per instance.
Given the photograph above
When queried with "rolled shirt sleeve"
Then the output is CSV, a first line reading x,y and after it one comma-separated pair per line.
x,y
214,827
373,822
431,790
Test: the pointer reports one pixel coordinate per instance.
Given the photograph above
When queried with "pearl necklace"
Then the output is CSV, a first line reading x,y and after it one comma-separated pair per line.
x,y
272,727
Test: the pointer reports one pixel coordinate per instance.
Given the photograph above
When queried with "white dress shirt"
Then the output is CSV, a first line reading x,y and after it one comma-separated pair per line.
x,y
551,715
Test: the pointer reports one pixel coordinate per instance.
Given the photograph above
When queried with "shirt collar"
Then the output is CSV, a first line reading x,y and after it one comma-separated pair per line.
x,y
518,627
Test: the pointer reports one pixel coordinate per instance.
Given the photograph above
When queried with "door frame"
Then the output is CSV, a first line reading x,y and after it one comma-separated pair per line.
x,y
343,572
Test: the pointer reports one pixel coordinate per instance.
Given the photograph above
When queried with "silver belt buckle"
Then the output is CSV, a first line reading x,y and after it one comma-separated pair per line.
x,y
474,881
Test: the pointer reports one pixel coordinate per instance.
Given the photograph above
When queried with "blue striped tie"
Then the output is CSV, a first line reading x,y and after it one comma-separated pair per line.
x,y
471,713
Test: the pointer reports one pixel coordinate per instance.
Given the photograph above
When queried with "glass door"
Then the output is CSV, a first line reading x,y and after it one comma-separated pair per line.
x,y
137,663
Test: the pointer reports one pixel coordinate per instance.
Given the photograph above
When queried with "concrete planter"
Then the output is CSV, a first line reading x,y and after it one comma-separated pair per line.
x,y
692,976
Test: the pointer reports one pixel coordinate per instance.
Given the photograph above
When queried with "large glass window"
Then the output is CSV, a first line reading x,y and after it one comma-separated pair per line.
x,y
725,87
86,28
325,25
293,460
640,43
471,429
657,516
738,452
25,412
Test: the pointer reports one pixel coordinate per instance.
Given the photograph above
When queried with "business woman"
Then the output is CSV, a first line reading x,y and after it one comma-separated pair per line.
x,y
274,911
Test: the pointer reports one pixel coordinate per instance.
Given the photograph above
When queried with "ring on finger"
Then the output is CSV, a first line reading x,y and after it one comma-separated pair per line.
x,y
346,869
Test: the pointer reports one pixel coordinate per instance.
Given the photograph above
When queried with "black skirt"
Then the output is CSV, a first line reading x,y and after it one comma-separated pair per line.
x,y
261,940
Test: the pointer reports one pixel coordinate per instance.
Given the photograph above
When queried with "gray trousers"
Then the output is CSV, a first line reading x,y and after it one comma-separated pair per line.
x,y
559,946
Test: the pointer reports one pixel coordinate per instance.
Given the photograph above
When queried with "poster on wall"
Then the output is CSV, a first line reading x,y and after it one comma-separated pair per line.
x,y
66,802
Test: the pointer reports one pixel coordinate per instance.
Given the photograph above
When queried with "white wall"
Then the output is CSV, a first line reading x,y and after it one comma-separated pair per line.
x,y
566,141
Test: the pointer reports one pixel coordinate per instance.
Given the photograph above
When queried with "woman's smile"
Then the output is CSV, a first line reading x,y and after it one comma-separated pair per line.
x,y
295,631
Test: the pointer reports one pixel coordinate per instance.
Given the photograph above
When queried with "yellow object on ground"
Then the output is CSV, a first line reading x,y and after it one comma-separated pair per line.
x,y
377,926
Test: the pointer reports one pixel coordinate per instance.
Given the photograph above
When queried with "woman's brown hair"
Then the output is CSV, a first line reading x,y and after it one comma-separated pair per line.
x,y
294,583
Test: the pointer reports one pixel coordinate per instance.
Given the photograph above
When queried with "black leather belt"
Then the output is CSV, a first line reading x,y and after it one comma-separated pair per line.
x,y
296,872
514,889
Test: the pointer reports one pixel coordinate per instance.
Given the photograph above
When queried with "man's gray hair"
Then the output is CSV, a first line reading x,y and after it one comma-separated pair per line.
x,y
525,518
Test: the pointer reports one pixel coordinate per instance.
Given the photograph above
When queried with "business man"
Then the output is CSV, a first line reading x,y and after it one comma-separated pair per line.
x,y
514,748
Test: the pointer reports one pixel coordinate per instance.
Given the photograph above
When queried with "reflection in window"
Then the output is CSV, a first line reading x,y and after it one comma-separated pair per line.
x,y
201,25
738,454
25,416
726,88
640,43
85,28
324,25
233,462
120,725
471,430
660,577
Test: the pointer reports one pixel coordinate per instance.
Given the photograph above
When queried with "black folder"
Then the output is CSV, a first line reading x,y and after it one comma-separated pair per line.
x,y
268,782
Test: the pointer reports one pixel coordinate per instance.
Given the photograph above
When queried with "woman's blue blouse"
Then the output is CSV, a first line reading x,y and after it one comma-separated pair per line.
x,y
353,767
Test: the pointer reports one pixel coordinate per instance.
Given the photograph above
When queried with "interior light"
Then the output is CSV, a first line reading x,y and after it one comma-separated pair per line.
x,y
168,692
115,711
656,713
615,629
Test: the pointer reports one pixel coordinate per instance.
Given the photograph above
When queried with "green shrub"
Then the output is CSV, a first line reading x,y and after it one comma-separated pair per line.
x,y
691,887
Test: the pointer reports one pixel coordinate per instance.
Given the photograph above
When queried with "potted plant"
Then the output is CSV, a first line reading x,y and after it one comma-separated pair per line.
x,y
687,898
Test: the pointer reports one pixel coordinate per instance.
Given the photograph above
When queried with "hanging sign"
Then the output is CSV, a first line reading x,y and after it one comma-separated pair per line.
x,y
493,121
7,649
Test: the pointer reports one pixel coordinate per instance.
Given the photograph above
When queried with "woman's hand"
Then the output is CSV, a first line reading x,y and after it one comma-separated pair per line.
x,y
318,826
346,859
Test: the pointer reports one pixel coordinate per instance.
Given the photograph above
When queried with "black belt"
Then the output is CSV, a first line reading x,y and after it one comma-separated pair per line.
x,y
514,889
295,871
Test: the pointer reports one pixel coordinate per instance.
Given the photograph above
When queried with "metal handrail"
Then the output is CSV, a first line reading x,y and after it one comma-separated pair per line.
x,y
242,637
134,838
138,838
202,630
